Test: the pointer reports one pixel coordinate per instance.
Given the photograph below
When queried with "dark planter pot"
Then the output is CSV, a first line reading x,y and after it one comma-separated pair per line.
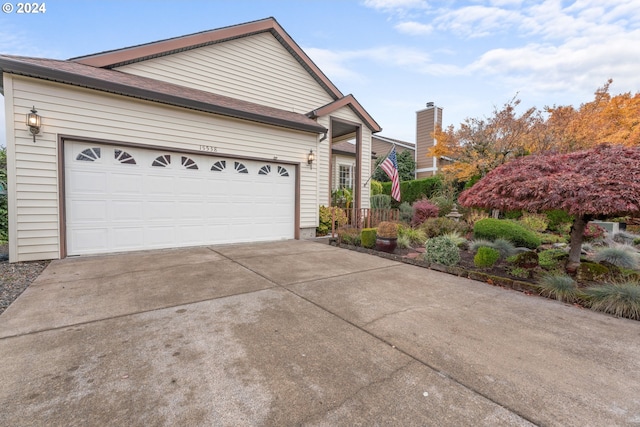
x,y
386,244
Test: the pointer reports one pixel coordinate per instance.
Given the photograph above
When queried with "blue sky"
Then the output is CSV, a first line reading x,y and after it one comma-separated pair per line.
x,y
392,55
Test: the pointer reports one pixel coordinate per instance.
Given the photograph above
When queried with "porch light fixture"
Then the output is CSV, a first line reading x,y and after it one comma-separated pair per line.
x,y
33,122
311,158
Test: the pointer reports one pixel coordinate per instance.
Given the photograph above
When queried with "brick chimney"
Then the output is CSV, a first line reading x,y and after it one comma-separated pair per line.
x,y
426,122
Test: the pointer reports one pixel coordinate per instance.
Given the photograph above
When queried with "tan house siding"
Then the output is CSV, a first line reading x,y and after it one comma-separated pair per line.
x,y
68,110
324,150
256,68
426,122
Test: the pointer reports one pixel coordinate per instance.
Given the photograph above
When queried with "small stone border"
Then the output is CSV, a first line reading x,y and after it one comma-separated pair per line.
x,y
455,271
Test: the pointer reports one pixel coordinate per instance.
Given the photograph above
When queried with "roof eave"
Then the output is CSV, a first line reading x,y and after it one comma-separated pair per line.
x,y
30,70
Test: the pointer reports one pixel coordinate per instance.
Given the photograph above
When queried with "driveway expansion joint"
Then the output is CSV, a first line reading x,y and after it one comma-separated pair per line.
x,y
418,360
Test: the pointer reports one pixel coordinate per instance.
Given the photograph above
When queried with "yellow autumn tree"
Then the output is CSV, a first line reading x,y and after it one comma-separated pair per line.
x,y
606,119
480,145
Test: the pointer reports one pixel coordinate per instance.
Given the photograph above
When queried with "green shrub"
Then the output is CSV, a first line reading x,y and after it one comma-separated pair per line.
x,y
342,197
550,259
368,237
491,229
636,241
455,237
415,236
380,201
526,260
476,244
548,238
592,272
325,216
4,219
513,214
443,202
403,241
520,272
416,189
406,212
619,299
534,222
376,187
349,236
434,227
486,257
503,246
558,220
442,251
560,287
617,256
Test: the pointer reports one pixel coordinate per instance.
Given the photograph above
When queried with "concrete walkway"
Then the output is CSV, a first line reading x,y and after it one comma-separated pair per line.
x,y
302,333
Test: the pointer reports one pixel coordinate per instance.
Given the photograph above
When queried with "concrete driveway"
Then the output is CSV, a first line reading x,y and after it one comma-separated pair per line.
x,y
302,333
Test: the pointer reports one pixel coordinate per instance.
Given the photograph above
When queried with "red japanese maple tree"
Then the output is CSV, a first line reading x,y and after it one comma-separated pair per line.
x,y
597,183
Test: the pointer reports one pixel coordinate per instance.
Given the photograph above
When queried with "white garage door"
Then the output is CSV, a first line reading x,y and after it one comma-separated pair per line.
x,y
124,199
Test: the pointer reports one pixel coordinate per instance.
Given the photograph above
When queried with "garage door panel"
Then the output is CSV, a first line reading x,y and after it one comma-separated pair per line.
x,y
162,236
88,211
126,183
159,185
85,241
114,206
127,237
126,210
87,181
160,210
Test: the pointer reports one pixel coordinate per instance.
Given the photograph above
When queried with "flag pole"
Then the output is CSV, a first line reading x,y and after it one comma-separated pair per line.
x,y
374,171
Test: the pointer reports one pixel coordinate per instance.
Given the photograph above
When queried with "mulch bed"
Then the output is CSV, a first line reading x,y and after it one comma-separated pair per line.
x,y
497,275
16,277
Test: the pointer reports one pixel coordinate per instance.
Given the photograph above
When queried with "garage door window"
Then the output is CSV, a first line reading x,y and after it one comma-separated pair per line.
x,y
219,166
240,168
264,170
282,171
89,155
162,161
124,157
189,163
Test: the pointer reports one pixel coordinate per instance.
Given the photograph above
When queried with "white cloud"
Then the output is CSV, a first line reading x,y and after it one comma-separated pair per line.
x,y
476,21
344,64
414,28
388,5
578,65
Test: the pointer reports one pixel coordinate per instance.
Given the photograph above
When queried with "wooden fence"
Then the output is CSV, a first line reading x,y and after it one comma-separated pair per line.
x,y
365,217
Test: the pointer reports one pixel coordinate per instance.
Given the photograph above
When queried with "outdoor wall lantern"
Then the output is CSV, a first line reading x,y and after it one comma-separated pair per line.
x,y
33,122
311,158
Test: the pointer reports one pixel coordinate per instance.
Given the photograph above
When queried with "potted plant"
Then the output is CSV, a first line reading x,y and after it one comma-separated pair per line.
x,y
387,236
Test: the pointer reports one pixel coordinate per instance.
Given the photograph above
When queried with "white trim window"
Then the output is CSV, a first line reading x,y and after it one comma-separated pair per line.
x,y
345,176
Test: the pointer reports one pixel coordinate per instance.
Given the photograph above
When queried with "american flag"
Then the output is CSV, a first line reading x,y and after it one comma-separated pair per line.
x,y
390,167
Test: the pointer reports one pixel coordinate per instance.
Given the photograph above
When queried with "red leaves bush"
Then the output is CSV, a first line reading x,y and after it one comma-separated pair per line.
x,y
593,232
422,210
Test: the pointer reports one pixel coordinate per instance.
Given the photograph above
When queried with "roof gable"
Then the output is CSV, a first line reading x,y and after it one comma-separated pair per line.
x,y
128,55
351,102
